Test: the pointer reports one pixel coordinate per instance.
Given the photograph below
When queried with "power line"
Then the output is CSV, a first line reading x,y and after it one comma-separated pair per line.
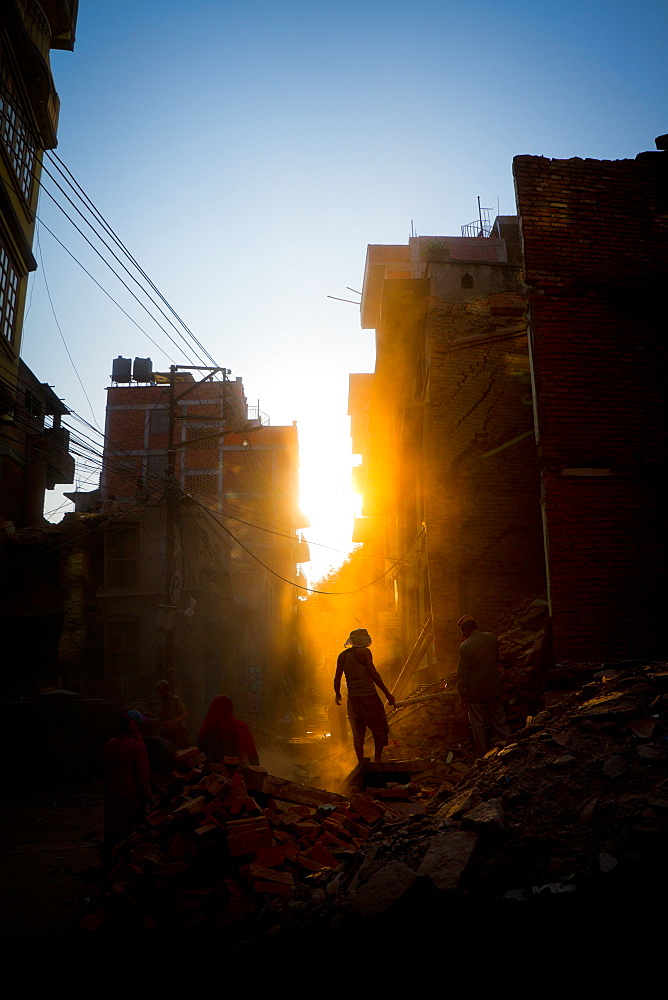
x,y
62,336
114,255
60,165
17,112
310,590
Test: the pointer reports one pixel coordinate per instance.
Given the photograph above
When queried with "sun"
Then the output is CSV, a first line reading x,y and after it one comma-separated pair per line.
x,y
327,499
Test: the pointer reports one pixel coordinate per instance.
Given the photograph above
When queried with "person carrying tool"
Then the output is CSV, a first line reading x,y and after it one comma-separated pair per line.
x,y
365,709
479,684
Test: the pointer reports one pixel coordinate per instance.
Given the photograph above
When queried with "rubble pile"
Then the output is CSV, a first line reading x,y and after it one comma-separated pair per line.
x,y
580,796
575,804
225,839
524,651
428,728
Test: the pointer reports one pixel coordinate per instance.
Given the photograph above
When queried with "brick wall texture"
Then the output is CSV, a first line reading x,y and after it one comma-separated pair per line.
x,y
482,511
595,244
452,384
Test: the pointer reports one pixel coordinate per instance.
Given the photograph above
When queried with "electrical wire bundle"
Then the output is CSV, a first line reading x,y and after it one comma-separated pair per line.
x,y
89,445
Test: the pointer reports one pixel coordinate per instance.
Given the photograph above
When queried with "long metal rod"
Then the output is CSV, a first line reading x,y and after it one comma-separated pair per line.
x,y
424,697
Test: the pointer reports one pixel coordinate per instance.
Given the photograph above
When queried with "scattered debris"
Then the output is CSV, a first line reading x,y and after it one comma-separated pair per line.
x,y
233,847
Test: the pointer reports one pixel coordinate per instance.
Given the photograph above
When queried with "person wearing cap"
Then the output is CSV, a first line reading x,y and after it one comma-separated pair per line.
x,y
365,709
479,683
127,789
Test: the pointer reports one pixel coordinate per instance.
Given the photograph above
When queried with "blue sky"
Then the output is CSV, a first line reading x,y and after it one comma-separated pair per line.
x,y
247,153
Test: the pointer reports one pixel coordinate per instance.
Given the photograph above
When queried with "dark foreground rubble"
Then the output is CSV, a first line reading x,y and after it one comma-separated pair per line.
x,y
566,827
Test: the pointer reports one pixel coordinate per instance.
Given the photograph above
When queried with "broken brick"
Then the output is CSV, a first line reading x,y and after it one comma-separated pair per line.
x,y
181,756
363,805
190,808
318,852
245,837
271,857
253,872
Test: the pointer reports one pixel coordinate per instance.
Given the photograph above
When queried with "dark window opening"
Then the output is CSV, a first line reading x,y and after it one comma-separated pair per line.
x,y
121,555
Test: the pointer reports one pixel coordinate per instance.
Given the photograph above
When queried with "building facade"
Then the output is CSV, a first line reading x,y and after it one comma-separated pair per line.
x,y
595,244
29,108
444,426
513,433
222,618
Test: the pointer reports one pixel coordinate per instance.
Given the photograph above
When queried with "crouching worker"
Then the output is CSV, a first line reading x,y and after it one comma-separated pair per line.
x,y
365,709
222,735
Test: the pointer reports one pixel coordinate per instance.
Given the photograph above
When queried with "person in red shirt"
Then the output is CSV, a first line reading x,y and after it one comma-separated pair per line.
x,y
365,709
222,735
127,791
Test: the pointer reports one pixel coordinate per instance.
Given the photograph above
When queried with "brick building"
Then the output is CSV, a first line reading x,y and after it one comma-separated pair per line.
x,y
559,311
444,425
32,457
229,613
595,243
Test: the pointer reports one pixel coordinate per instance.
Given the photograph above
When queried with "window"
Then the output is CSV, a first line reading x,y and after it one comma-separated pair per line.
x,y
9,288
121,647
121,551
467,281
16,135
159,421
156,467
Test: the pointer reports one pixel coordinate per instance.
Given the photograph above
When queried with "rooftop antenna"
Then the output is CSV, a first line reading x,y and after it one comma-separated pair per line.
x,y
482,225
412,229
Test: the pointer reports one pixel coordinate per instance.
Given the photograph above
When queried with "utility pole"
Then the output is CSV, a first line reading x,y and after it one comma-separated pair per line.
x,y
173,493
171,591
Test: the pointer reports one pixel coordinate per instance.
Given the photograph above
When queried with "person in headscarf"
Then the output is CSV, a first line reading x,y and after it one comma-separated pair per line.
x,y
172,715
365,709
127,790
222,735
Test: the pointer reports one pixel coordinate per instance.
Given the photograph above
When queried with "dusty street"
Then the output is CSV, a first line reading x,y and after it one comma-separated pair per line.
x,y
49,857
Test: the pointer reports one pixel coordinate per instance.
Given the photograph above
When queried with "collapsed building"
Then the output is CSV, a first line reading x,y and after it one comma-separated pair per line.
x,y
449,471
513,432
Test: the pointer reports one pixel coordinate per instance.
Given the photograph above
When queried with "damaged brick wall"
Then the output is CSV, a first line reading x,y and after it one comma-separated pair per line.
x,y
483,515
449,442
596,253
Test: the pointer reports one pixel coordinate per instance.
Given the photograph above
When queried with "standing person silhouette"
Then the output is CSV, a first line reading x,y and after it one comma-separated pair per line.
x,y
479,684
365,709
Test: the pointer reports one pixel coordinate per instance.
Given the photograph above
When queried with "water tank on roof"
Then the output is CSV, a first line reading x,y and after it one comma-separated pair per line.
x,y
120,369
142,370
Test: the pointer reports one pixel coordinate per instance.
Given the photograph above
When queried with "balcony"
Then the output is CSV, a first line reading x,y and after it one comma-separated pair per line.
x,y
60,464
31,33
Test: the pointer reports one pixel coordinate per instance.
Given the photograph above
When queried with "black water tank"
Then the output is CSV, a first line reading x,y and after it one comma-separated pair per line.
x,y
120,369
142,370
